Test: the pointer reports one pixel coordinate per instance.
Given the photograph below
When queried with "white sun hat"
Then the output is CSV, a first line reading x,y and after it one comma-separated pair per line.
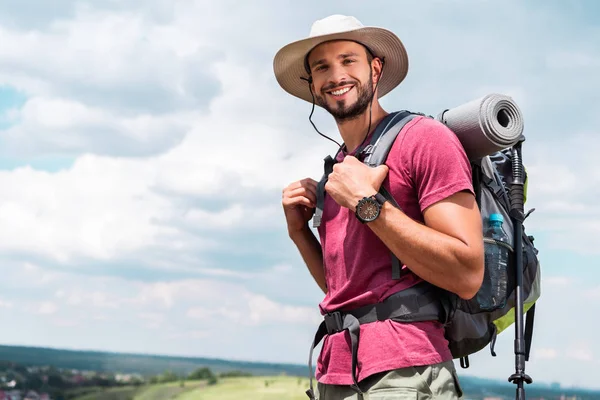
x,y
289,62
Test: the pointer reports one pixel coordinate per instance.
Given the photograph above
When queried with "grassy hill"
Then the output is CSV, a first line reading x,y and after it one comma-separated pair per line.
x,y
281,381
148,392
293,388
146,365
251,388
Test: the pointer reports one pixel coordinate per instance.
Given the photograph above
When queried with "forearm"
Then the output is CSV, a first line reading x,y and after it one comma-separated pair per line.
x,y
438,258
312,254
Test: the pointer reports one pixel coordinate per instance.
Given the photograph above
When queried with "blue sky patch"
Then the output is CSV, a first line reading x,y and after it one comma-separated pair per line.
x,y
9,98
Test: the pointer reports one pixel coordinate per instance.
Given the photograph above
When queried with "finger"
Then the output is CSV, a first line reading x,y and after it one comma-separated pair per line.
x,y
312,189
380,173
291,187
308,184
312,184
298,201
303,192
294,185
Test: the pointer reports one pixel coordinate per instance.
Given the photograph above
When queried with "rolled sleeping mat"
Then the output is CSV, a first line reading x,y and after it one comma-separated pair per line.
x,y
485,125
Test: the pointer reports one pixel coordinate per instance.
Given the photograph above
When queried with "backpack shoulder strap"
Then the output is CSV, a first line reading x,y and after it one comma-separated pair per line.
x,y
373,154
376,154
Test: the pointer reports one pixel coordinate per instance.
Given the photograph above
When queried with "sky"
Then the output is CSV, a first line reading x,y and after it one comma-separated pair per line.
x,y
144,146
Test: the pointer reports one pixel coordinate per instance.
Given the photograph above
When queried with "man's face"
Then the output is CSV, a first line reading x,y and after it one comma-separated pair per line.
x,y
342,78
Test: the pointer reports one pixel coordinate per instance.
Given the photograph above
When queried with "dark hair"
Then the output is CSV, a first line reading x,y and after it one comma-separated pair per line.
x,y
370,55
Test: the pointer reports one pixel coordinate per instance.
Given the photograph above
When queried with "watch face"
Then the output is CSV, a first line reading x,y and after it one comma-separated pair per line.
x,y
368,210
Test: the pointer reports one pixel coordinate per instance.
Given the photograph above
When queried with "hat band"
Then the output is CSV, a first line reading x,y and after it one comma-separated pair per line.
x,y
307,67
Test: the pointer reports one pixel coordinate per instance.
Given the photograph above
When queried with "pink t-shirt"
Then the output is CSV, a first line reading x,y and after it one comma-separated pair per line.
x,y
426,164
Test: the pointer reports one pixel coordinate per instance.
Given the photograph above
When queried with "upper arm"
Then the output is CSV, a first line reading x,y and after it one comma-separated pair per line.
x,y
458,216
441,174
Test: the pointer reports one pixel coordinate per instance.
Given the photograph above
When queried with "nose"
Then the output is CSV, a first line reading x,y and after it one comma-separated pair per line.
x,y
336,75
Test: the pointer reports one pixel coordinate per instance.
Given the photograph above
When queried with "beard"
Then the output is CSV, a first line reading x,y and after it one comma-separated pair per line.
x,y
341,112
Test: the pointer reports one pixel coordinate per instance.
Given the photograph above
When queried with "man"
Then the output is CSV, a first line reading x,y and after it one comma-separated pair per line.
x,y
436,231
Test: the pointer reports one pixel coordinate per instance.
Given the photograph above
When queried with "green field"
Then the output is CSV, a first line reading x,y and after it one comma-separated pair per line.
x,y
250,388
254,388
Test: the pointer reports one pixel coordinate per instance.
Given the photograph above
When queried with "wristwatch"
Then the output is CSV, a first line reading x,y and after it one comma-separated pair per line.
x,y
369,208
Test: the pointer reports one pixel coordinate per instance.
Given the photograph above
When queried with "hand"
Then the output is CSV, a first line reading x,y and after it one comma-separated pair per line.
x,y
299,200
351,180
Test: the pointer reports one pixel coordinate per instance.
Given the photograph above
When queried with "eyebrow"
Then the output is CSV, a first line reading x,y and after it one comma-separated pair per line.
x,y
341,56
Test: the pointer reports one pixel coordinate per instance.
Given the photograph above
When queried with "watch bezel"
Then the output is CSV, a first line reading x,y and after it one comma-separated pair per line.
x,y
374,199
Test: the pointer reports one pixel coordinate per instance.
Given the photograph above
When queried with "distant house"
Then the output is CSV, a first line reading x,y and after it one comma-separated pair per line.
x,y
32,395
13,395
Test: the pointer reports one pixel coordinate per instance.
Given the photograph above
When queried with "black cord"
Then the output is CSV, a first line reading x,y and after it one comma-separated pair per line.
x,y
309,81
370,108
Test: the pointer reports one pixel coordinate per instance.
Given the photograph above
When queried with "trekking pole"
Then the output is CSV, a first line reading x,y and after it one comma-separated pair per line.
x,y
517,214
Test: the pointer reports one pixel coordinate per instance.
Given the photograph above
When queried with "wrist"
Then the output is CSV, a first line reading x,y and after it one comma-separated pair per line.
x,y
299,234
359,196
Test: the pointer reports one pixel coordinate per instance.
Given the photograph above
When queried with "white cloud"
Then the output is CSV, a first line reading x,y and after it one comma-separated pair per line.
x,y
564,192
56,125
580,351
47,307
105,208
256,309
86,309
153,320
545,353
189,335
99,208
5,304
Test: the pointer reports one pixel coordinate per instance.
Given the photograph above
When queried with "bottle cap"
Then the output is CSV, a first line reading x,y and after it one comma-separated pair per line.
x,y
496,218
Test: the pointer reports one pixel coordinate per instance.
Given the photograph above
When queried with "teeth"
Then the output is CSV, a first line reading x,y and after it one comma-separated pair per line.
x,y
341,91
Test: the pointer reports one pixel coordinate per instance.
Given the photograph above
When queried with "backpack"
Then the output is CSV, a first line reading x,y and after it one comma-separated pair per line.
x,y
468,326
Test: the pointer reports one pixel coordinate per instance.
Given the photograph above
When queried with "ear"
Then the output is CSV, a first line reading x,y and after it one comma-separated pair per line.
x,y
377,67
311,83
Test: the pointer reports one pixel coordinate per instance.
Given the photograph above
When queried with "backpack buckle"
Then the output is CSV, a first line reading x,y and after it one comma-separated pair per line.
x,y
364,154
334,322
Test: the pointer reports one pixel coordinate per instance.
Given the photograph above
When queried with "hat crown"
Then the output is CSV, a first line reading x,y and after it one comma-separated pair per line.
x,y
334,24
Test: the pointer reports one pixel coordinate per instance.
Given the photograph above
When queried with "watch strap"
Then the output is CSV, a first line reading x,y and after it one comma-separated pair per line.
x,y
380,198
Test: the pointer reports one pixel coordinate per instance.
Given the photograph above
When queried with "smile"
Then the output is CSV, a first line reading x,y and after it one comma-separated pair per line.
x,y
340,92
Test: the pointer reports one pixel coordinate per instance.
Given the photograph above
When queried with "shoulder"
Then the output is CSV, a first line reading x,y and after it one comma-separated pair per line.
x,y
422,127
425,138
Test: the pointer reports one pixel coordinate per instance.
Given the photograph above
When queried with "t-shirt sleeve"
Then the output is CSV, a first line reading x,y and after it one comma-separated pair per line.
x,y
435,161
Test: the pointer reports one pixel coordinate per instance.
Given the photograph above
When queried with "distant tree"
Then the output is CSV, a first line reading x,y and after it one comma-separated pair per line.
x,y
55,379
33,382
168,376
234,374
201,374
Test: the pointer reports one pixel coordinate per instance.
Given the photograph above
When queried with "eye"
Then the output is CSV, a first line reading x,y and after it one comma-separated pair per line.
x,y
348,61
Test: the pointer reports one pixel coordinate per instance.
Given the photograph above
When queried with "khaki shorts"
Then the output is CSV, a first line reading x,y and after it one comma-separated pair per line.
x,y
438,381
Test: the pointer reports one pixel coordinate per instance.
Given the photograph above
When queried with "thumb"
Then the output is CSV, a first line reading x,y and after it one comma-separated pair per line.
x,y
380,173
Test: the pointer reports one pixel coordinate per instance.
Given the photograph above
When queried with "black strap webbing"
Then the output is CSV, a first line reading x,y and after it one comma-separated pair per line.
x,y
529,330
396,263
417,303
371,155
328,168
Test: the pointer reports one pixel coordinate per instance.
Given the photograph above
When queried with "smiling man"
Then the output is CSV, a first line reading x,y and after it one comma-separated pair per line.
x,y
436,231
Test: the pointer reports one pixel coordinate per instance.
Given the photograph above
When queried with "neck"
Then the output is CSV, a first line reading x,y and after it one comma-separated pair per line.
x,y
354,131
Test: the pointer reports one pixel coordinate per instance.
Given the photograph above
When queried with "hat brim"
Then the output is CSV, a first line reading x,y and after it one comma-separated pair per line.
x,y
289,68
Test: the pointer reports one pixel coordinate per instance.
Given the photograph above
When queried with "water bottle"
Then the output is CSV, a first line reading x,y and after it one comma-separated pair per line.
x,y
493,292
